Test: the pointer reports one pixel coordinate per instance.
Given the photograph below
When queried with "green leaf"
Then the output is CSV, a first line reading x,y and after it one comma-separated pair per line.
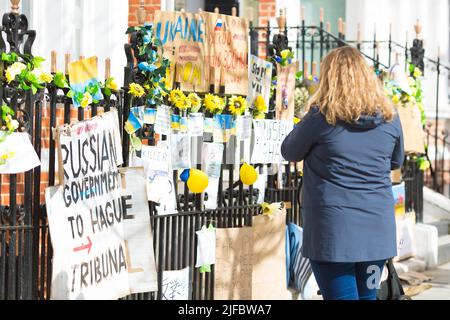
x,y
107,91
70,94
37,61
60,80
33,89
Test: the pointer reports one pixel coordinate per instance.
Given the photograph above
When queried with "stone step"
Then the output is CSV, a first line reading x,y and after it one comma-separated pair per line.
x,y
444,249
443,227
412,264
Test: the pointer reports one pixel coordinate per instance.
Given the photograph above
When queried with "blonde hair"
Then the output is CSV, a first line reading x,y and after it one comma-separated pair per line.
x,y
349,88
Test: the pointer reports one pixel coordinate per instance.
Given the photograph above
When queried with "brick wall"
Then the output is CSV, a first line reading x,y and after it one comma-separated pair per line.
x,y
150,6
267,10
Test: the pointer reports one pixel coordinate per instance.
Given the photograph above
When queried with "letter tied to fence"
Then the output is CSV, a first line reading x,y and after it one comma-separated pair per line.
x,y
99,222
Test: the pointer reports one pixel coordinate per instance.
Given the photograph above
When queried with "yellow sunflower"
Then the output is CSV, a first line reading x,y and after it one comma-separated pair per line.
x,y
237,105
176,95
136,90
213,103
195,100
260,104
183,103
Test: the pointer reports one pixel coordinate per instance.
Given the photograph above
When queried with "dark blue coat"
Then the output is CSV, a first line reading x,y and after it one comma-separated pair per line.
x,y
348,206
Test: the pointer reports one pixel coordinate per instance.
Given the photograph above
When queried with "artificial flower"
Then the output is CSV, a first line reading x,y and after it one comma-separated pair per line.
x,y
13,70
11,124
260,104
271,209
183,103
87,100
417,73
136,90
260,116
195,101
213,103
46,77
112,85
296,120
395,99
145,66
285,53
237,105
176,95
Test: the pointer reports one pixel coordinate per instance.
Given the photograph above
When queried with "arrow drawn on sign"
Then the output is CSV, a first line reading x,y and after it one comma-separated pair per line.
x,y
84,246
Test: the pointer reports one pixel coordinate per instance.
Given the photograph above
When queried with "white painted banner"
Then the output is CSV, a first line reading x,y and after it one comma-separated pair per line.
x,y
94,249
268,137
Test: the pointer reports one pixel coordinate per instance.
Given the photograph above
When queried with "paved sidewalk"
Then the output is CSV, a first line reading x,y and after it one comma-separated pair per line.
x,y
440,289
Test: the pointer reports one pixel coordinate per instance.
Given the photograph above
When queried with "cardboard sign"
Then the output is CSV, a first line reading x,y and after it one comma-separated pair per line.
x,y
413,135
268,137
269,258
24,157
183,37
175,285
233,269
259,79
228,51
137,231
285,104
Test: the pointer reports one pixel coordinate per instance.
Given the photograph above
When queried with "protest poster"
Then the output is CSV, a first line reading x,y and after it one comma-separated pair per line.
x,y
140,258
163,120
268,137
286,91
22,158
269,258
176,285
183,38
227,43
82,74
212,155
87,214
259,79
233,268
180,145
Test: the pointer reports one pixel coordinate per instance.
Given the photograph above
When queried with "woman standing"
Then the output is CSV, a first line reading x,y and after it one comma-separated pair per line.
x,y
350,140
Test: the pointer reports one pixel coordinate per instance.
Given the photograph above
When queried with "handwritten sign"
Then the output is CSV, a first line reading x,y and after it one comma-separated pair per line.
x,y
285,103
259,79
175,285
269,258
183,37
243,127
268,136
93,254
233,269
228,51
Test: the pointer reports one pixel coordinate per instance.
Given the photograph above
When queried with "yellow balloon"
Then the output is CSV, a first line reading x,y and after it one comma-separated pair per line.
x,y
198,181
248,174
